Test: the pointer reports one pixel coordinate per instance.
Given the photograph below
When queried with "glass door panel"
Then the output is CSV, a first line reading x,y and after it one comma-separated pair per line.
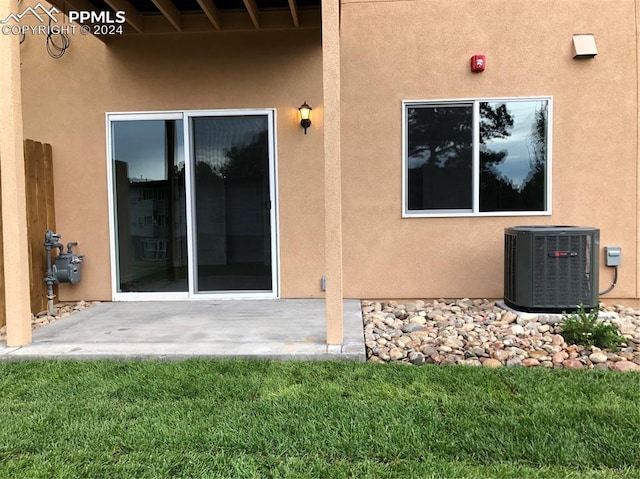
x,y
232,203
151,227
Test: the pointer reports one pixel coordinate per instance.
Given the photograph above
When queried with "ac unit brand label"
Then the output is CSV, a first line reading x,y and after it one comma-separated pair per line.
x,y
562,254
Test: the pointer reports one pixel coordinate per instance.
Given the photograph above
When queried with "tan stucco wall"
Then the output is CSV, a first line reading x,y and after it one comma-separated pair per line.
x,y
65,102
412,50
390,51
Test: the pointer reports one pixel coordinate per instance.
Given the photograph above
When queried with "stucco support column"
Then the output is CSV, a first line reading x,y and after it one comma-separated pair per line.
x,y
332,168
637,218
12,188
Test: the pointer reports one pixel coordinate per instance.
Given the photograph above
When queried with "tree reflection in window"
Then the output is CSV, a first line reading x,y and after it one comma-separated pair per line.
x,y
511,156
440,140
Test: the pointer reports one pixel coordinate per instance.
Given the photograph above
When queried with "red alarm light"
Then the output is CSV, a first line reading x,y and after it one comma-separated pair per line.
x,y
478,63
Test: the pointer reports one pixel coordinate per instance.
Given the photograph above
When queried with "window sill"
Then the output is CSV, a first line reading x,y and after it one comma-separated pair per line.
x,y
464,214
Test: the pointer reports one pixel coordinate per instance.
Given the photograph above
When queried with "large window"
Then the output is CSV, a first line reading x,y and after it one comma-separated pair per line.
x,y
477,157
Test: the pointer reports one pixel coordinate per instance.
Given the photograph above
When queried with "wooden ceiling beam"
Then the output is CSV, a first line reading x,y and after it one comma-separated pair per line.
x,y
131,15
252,9
171,13
294,13
73,5
59,4
212,13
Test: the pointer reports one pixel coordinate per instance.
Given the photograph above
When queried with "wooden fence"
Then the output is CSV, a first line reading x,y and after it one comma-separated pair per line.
x,y
38,163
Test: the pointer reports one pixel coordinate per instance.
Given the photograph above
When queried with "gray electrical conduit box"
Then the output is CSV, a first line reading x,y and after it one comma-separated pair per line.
x,y
612,255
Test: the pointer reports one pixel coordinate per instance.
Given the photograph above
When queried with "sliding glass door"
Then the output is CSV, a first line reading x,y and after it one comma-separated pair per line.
x,y
193,204
232,203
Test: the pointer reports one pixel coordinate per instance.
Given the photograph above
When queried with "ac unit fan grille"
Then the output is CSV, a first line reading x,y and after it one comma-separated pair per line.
x,y
510,266
560,277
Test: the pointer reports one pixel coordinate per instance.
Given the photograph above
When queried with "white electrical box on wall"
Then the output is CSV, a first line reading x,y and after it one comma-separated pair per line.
x,y
612,255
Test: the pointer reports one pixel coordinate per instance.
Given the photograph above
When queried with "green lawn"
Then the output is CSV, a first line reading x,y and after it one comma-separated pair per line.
x,y
251,419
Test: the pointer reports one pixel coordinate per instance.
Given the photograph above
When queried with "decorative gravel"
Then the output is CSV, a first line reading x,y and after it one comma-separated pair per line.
x,y
479,332
60,311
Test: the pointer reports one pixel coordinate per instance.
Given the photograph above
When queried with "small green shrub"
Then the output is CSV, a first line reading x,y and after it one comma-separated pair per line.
x,y
584,329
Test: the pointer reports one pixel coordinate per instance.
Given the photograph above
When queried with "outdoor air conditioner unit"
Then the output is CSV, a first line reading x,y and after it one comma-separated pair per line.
x,y
551,268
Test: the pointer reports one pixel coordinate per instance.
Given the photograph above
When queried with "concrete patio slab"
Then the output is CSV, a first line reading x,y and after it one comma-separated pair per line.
x,y
269,329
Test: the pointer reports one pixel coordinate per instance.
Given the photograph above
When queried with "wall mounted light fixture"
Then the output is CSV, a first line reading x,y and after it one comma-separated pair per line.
x,y
305,116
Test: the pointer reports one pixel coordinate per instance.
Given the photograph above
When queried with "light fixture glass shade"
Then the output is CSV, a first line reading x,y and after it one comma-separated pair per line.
x,y
305,111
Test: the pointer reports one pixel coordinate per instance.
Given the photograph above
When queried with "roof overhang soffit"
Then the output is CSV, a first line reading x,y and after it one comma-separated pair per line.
x,y
210,15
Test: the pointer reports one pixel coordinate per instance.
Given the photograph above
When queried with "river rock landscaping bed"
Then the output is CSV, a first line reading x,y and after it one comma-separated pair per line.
x,y
480,333
60,311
